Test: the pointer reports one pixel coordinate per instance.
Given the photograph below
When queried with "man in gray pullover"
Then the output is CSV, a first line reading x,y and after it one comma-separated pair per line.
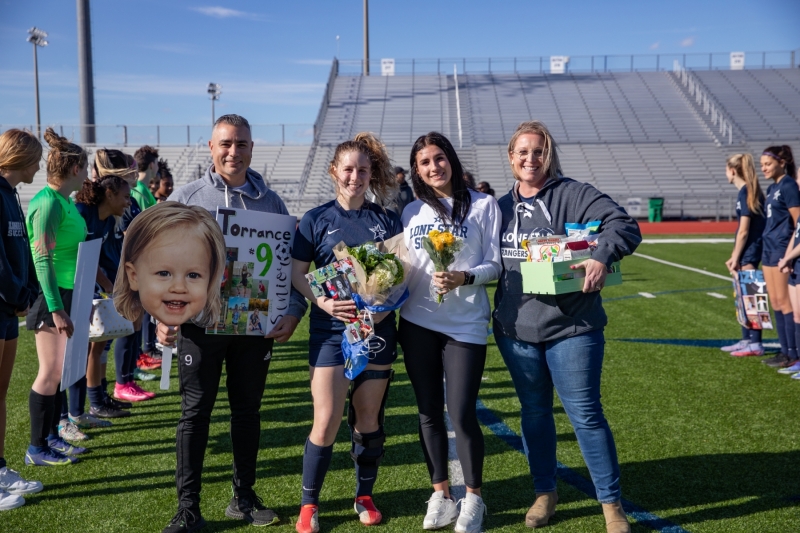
x,y
228,182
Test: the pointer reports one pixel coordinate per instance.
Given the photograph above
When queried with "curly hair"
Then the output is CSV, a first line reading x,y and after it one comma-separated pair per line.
x,y
144,156
382,183
94,192
63,157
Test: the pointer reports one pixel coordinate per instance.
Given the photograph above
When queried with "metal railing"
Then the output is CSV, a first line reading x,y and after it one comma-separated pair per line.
x,y
717,207
175,135
707,104
576,64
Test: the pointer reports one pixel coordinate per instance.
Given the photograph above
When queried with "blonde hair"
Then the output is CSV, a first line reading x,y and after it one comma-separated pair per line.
x,y
383,182
62,157
552,166
112,163
19,149
744,167
144,230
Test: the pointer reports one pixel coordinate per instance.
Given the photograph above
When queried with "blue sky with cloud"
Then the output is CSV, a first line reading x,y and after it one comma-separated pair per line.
x,y
153,59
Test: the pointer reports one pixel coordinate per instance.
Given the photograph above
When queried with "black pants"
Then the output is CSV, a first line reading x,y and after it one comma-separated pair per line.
x,y
200,358
429,357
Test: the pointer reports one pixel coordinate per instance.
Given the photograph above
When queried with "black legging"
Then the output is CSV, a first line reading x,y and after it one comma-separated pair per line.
x,y
430,356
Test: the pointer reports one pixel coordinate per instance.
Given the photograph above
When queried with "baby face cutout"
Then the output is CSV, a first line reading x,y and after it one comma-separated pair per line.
x,y
172,276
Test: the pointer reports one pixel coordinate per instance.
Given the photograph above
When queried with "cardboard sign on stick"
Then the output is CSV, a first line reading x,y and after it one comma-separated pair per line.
x,y
257,279
76,353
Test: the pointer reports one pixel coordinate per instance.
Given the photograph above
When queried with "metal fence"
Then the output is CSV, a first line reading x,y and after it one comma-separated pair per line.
x,y
719,207
592,63
177,135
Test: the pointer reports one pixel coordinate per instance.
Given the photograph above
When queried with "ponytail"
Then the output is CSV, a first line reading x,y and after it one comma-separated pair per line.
x,y
63,156
94,192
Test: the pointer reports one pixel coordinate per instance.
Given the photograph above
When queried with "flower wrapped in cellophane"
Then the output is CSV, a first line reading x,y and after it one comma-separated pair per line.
x,y
442,247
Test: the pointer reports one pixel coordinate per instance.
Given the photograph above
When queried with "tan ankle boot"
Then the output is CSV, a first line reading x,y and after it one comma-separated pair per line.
x,y
616,521
544,506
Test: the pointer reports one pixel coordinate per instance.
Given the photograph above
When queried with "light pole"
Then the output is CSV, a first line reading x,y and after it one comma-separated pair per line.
x,y
214,92
38,38
366,37
337,47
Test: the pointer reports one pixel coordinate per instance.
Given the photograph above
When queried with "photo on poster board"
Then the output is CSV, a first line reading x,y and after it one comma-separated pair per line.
x,y
258,269
752,302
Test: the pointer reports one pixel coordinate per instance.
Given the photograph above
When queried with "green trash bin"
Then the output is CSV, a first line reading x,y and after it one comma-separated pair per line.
x,y
656,209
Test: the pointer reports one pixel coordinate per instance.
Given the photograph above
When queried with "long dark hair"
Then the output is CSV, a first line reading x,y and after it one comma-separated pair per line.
x,y
783,153
461,197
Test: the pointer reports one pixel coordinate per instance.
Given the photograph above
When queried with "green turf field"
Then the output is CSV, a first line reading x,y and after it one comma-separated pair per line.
x,y
705,441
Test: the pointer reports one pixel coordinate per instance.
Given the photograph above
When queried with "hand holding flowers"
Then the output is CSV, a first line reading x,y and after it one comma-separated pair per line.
x,y
442,247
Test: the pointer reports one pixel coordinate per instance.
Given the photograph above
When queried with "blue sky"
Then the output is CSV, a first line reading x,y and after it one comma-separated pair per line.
x,y
154,59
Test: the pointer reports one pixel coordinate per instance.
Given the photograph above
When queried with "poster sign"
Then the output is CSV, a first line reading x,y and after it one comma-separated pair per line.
x,y
257,278
387,67
634,207
76,353
558,64
752,304
737,60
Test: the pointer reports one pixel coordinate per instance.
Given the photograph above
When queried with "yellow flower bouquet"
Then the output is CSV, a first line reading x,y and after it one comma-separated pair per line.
x,y
442,247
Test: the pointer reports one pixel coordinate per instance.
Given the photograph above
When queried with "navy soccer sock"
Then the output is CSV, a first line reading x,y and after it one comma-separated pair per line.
x,y
789,330
366,474
745,334
755,336
780,325
316,461
96,396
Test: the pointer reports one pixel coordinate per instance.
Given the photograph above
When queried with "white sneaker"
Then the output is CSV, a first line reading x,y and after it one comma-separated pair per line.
x,y
441,511
13,483
741,345
470,520
10,501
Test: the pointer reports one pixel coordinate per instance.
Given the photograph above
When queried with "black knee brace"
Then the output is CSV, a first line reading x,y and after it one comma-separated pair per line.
x,y
371,440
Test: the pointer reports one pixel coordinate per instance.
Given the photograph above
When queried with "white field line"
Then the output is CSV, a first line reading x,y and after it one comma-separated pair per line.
x,y
647,295
684,267
689,241
717,295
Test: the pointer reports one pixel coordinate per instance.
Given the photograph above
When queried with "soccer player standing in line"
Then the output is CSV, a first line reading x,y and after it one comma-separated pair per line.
x,y
20,153
358,166
556,341
227,182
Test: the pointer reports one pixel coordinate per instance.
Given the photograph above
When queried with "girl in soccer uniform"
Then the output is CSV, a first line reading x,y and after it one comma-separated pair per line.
x,y
357,166
783,210
746,255
20,153
448,339
56,228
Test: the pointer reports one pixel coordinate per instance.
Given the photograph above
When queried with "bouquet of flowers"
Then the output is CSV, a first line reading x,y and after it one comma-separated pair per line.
x,y
442,247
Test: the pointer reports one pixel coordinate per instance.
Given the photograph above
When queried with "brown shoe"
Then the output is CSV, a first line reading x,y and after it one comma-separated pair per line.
x,y
616,521
542,509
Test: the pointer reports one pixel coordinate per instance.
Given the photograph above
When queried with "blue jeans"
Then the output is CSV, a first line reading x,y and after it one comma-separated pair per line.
x,y
573,365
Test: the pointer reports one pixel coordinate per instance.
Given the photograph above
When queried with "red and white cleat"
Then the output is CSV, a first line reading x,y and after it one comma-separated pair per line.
x,y
367,512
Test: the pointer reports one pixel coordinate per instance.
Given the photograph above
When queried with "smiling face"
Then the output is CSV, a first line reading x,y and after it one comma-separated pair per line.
x,y
165,187
118,202
172,276
435,170
527,160
231,151
772,168
352,175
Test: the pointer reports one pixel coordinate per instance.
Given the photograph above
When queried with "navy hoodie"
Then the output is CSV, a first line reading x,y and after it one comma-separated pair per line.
x,y
18,284
541,317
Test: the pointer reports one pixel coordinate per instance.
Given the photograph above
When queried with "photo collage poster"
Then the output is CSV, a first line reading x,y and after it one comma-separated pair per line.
x,y
256,280
752,304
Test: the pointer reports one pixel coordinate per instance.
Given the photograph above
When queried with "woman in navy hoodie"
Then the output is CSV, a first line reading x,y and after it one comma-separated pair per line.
x,y
556,342
20,154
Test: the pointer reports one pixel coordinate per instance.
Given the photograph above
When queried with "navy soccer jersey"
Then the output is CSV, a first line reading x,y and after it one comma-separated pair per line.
x,y
781,196
751,255
95,228
111,253
325,226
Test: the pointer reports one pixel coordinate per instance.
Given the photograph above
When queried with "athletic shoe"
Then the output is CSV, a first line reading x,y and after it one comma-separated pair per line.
x,y
441,511
790,369
10,501
368,514
751,350
86,420
48,457
250,508
780,357
128,393
155,353
12,483
786,364
470,519
741,345
145,362
64,448
69,431
108,401
108,412
141,375
796,376
185,521
308,521
150,395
